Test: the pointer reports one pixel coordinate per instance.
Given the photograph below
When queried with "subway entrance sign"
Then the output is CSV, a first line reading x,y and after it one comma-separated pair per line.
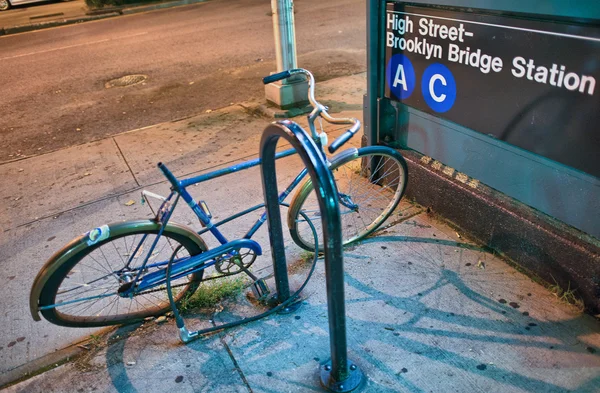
x,y
532,83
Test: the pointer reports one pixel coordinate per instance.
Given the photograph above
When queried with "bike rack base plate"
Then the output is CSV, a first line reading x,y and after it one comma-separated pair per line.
x,y
352,382
291,308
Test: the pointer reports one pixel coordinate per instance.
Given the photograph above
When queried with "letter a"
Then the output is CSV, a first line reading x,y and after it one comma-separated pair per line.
x,y
402,81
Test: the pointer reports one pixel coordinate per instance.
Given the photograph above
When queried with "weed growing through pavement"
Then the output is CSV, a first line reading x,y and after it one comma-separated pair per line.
x,y
567,296
212,292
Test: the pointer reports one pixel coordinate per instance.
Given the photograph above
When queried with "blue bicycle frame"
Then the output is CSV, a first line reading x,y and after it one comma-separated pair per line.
x,y
185,266
199,262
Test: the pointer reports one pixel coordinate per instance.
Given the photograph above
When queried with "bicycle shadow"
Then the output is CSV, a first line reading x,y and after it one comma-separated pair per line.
x,y
115,363
157,360
413,332
495,325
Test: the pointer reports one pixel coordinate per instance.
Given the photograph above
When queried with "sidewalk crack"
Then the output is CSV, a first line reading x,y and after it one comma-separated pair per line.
x,y
235,363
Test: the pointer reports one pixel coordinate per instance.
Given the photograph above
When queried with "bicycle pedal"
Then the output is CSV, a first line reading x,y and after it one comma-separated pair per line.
x,y
260,290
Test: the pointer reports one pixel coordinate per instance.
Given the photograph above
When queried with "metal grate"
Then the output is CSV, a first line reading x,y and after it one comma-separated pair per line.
x,y
127,80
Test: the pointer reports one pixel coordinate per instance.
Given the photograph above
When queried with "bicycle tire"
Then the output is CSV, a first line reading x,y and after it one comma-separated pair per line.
x,y
368,195
83,275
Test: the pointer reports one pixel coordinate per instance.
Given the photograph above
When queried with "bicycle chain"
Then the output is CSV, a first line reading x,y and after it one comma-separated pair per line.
x,y
181,285
161,289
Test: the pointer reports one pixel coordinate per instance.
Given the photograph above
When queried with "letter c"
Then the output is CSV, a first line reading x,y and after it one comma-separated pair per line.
x,y
437,77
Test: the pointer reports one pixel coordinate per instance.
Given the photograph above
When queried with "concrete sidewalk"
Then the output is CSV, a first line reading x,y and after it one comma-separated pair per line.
x,y
427,310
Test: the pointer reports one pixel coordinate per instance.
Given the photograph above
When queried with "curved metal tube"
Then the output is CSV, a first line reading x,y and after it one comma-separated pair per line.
x,y
340,371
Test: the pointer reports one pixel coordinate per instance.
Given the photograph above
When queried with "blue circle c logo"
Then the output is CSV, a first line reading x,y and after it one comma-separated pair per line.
x,y
400,76
438,87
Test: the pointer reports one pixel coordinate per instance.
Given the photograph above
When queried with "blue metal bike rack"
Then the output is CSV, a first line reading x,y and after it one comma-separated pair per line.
x,y
339,375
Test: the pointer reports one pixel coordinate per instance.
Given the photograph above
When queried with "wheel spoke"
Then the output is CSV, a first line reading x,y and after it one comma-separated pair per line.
x,y
88,293
371,184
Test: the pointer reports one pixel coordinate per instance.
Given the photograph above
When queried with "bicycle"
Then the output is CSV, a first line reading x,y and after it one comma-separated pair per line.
x,y
125,272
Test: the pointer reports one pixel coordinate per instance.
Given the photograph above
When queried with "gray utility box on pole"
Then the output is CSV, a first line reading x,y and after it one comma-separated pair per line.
x,y
289,92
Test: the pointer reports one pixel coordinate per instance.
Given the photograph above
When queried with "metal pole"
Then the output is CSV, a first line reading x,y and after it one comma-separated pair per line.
x,y
269,180
291,92
285,35
370,113
340,375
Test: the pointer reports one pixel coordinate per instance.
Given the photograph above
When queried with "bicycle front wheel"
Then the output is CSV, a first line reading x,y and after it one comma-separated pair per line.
x,y
370,185
83,291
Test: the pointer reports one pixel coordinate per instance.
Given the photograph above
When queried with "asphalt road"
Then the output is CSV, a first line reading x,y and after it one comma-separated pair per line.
x,y
198,57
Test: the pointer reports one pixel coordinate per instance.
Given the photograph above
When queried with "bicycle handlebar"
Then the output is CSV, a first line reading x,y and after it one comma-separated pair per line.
x,y
318,109
345,137
276,77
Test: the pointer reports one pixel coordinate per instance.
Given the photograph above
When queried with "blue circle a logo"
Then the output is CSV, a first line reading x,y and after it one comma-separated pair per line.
x,y
438,87
400,76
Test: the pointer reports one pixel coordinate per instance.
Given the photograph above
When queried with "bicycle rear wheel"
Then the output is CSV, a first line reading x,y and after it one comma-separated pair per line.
x,y
370,185
83,290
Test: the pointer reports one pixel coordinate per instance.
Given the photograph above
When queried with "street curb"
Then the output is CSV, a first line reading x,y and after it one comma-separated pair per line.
x,y
39,366
159,6
55,23
93,15
276,113
55,359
